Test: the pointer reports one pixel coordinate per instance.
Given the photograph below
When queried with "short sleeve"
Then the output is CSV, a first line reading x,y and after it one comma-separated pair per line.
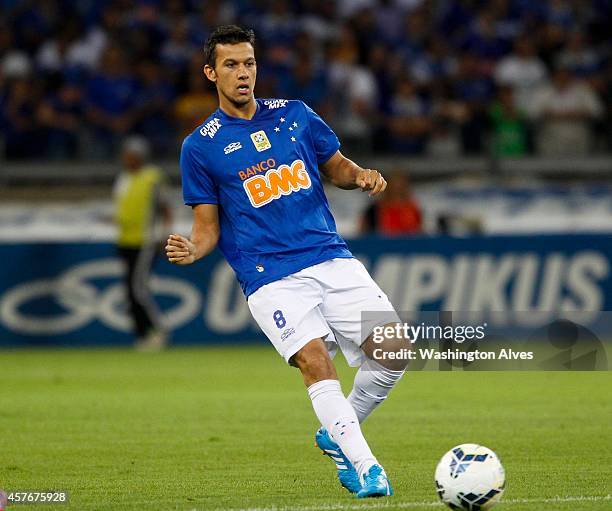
x,y
325,141
198,186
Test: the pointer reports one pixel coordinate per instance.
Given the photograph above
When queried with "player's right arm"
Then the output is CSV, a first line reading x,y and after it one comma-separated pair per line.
x,y
204,236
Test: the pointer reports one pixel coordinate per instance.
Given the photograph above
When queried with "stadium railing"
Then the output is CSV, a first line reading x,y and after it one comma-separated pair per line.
x,y
35,172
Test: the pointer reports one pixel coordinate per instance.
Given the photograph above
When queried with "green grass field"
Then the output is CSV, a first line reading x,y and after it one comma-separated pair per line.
x,y
232,428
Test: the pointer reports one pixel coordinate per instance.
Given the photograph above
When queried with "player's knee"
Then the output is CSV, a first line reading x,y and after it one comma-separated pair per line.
x,y
314,362
393,360
316,365
392,353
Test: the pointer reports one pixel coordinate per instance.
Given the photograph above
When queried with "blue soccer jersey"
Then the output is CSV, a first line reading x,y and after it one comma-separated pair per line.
x,y
263,175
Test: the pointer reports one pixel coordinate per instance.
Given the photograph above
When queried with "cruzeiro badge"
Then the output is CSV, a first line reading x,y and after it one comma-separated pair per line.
x,y
260,140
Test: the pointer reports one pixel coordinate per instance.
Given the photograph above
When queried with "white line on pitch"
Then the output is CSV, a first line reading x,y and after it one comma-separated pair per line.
x,y
409,505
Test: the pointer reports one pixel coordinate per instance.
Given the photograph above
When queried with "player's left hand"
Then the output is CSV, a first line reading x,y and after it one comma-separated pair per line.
x,y
372,180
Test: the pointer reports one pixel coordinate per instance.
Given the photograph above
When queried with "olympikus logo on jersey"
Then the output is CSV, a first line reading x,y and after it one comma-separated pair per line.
x,y
211,127
275,103
263,189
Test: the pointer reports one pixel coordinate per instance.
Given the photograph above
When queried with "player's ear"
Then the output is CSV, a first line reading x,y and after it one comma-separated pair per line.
x,y
210,73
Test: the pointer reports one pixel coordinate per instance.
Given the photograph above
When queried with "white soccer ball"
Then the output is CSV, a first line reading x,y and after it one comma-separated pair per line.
x,y
470,477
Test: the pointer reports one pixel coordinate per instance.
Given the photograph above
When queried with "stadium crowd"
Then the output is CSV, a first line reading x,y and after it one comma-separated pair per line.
x,y
421,77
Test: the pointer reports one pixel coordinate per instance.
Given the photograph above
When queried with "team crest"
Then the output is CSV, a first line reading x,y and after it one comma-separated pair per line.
x,y
260,140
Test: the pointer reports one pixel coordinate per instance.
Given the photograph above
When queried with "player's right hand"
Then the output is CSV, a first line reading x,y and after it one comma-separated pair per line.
x,y
180,250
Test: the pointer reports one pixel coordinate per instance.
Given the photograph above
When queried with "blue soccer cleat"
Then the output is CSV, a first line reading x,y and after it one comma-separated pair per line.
x,y
375,484
346,472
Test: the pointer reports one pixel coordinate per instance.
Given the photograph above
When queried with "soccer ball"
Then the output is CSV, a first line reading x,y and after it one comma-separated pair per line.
x,y
470,477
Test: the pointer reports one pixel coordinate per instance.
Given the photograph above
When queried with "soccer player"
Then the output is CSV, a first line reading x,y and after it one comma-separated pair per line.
x,y
252,173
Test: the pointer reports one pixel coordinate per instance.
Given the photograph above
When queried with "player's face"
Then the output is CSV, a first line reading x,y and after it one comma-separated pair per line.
x,y
234,73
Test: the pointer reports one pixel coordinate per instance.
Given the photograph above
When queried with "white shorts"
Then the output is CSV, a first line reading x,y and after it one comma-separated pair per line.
x,y
325,300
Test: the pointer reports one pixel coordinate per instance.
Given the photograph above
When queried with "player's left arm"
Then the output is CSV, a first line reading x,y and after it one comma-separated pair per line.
x,y
346,174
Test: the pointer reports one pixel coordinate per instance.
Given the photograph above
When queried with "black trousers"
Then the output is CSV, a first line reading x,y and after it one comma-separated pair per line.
x,y
142,307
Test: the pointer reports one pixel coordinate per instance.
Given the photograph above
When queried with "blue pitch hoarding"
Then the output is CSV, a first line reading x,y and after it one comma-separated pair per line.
x,y
71,294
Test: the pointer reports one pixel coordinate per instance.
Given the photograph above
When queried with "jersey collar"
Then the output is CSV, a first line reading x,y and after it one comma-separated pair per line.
x,y
229,118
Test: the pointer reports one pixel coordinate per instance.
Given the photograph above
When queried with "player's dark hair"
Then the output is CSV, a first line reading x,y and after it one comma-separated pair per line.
x,y
226,34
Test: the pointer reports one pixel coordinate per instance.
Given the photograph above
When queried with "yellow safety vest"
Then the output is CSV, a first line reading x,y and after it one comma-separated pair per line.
x,y
136,198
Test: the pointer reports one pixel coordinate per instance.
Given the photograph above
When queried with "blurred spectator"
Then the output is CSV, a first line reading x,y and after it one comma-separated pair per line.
x,y
31,23
410,123
176,14
453,17
196,104
396,213
307,83
509,24
319,19
559,12
565,111
353,91
210,14
443,141
145,31
277,24
578,58
475,89
347,8
386,67
509,125
414,36
176,52
15,64
110,103
522,70
389,15
363,24
607,101
551,39
153,107
435,63
6,38
18,119
483,39
143,217
62,114
305,46
88,50
449,115
58,53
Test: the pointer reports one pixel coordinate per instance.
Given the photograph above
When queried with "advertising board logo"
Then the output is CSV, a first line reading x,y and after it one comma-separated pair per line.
x,y
79,301
483,283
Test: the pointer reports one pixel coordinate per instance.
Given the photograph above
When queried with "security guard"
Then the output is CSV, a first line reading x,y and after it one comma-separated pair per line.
x,y
141,212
